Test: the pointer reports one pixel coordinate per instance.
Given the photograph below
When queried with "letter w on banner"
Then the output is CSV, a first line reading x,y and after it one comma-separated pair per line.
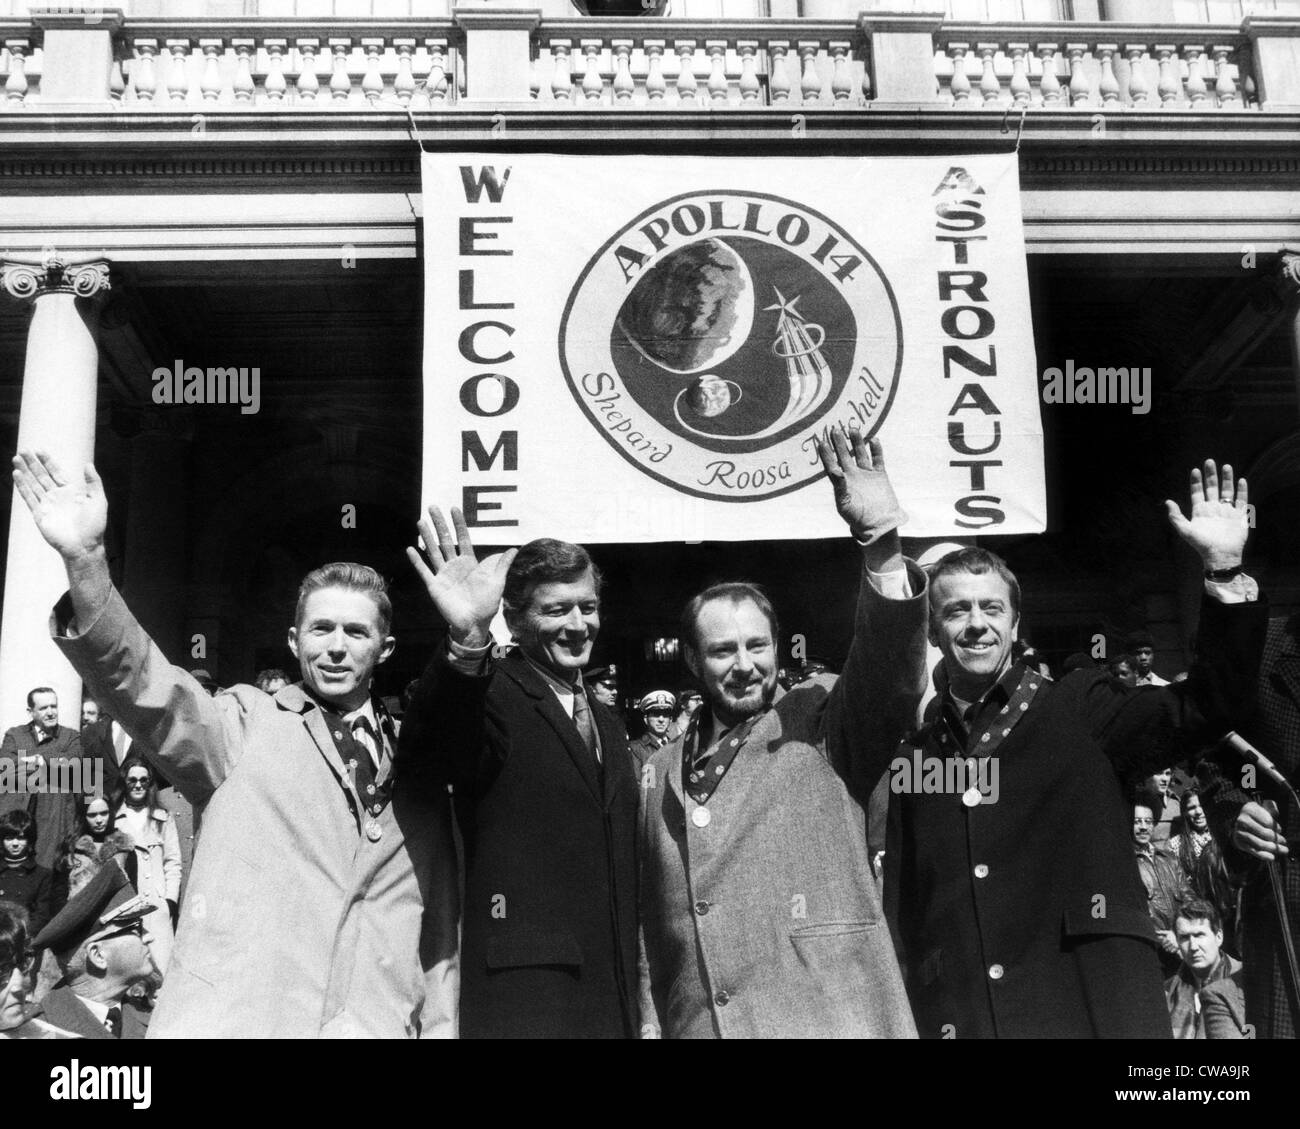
x,y
642,348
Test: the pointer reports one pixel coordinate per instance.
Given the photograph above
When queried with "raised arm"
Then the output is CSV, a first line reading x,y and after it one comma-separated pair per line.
x,y
444,723
873,704
1146,730
190,735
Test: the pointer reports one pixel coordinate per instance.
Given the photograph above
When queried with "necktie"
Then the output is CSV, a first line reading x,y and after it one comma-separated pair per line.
x,y
363,735
586,725
113,1022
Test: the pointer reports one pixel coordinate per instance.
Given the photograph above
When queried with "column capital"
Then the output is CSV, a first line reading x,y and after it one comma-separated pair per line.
x,y
55,275
1289,268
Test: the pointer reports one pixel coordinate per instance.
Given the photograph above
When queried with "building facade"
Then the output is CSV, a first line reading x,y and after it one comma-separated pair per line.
x,y
234,185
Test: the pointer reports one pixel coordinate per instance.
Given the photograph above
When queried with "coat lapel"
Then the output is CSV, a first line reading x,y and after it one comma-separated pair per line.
x,y
548,706
293,699
62,1008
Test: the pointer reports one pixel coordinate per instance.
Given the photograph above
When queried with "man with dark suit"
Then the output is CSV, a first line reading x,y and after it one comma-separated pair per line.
x,y
102,947
544,790
43,739
101,741
1022,915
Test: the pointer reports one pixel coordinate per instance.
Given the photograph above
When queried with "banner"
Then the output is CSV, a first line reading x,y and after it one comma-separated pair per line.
x,y
626,349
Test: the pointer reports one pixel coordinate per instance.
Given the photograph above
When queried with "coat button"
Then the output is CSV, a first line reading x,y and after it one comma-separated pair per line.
x,y
996,971
981,871
701,907
721,999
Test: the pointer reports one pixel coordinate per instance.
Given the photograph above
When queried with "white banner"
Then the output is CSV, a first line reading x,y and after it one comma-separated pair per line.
x,y
641,348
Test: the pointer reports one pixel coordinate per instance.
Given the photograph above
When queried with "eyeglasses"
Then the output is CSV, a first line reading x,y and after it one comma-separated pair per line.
x,y
136,927
139,780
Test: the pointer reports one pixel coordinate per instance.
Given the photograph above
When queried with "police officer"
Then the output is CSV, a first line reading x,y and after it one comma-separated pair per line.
x,y
102,947
657,709
603,681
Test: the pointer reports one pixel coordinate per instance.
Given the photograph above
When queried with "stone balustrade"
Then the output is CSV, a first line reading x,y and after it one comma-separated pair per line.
x,y
680,64
1095,66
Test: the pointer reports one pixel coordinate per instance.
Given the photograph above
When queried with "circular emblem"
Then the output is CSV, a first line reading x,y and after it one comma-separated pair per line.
x,y
714,335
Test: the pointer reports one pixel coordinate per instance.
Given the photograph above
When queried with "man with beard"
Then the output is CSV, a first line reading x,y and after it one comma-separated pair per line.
x,y
545,792
1025,917
759,912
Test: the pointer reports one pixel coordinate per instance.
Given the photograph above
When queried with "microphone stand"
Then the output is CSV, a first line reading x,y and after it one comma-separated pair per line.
x,y
1252,754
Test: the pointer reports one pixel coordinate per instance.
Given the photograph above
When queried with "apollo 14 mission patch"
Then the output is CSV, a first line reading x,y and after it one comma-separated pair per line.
x,y
726,328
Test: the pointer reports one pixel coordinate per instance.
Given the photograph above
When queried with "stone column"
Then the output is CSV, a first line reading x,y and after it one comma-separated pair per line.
x,y
57,415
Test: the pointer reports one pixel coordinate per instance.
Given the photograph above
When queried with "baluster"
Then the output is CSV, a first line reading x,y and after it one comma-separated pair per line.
x,y
1080,87
685,49
960,83
655,83
307,83
624,87
210,82
749,85
717,85
593,86
116,83
990,84
561,78
866,78
1249,95
243,84
372,85
1049,86
404,83
340,80
16,80
810,82
178,74
1020,90
1170,84
142,71
841,83
1109,85
435,83
778,81
1224,86
274,84
1197,93
1137,83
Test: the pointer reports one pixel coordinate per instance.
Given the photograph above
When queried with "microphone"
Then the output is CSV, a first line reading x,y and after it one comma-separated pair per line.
x,y
1266,766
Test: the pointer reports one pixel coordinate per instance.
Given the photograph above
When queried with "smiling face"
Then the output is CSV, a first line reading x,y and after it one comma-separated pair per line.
x,y
1196,814
338,642
44,710
1198,943
973,625
559,625
1143,824
734,657
138,779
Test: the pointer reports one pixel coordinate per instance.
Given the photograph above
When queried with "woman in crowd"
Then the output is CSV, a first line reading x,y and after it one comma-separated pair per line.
x,y
1202,863
16,962
22,881
157,850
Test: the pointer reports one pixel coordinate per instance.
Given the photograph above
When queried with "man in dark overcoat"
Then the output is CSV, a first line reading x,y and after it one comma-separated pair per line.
x,y
1017,907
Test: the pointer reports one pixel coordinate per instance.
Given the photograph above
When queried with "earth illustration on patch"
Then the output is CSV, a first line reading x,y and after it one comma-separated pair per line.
x,y
734,343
